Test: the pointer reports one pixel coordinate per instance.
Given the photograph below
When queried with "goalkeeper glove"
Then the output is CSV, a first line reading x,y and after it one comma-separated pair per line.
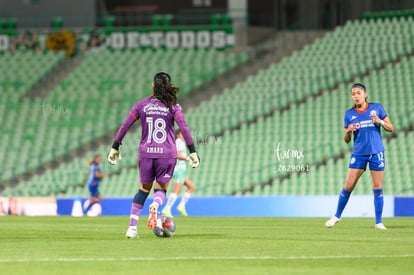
x,y
194,160
114,154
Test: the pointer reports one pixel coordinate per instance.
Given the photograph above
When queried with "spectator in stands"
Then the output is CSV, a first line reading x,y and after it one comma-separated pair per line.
x,y
95,177
157,150
26,41
179,179
363,123
95,42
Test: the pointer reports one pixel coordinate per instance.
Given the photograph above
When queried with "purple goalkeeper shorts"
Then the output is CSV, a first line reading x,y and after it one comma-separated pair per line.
x,y
160,169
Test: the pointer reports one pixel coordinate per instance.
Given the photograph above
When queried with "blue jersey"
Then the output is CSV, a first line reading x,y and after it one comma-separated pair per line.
x,y
367,137
92,171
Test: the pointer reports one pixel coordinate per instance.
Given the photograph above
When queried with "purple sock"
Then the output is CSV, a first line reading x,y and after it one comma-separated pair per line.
x,y
136,206
135,212
159,196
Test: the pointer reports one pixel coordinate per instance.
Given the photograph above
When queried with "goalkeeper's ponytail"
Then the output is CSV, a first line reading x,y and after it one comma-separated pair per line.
x,y
164,91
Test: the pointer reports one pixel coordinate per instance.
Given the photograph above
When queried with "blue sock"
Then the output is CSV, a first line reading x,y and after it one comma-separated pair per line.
x,y
378,204
342,201
85,211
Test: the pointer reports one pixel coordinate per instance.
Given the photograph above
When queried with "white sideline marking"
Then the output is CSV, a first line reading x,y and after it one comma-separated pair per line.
x,y
183,258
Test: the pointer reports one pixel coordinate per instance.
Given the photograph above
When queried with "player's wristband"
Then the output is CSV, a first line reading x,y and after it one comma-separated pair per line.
x,y
382,122
191,148
115,145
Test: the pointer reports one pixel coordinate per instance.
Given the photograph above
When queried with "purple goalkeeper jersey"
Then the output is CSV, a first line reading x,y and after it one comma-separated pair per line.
x,y
157,126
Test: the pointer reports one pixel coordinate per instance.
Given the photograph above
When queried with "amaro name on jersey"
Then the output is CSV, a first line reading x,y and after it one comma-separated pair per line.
x,y
156,150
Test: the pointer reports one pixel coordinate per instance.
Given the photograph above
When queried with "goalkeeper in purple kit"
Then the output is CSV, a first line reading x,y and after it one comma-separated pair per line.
x,y
157,150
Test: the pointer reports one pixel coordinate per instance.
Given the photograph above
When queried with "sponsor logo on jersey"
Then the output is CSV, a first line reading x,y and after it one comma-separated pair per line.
x,y
366,123
153,109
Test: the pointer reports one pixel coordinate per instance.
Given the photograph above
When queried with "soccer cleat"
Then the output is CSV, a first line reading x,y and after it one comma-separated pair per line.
x,y
167,212
132,233
380,226
152,218
181,209
331,222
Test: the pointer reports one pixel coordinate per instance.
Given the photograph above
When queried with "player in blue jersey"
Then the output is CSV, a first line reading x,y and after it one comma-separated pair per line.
x,y
179,179
157,153
95,177
363,122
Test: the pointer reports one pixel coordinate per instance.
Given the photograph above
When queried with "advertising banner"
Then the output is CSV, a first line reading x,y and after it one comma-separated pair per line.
x,y
218,37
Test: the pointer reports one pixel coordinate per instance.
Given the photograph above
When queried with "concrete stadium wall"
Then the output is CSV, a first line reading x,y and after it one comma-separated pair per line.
x,y
40,13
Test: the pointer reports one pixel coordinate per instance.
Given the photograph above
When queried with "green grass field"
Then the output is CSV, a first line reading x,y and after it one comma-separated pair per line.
x,y
67,245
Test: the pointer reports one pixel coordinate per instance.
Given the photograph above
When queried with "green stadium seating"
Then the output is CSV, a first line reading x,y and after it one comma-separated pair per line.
x,y
388,14
238,131
336,58
21,117
91,101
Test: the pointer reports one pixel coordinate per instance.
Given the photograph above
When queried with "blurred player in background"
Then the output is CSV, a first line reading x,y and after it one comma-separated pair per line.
x,y
95,177
363,122
157,151
179,179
